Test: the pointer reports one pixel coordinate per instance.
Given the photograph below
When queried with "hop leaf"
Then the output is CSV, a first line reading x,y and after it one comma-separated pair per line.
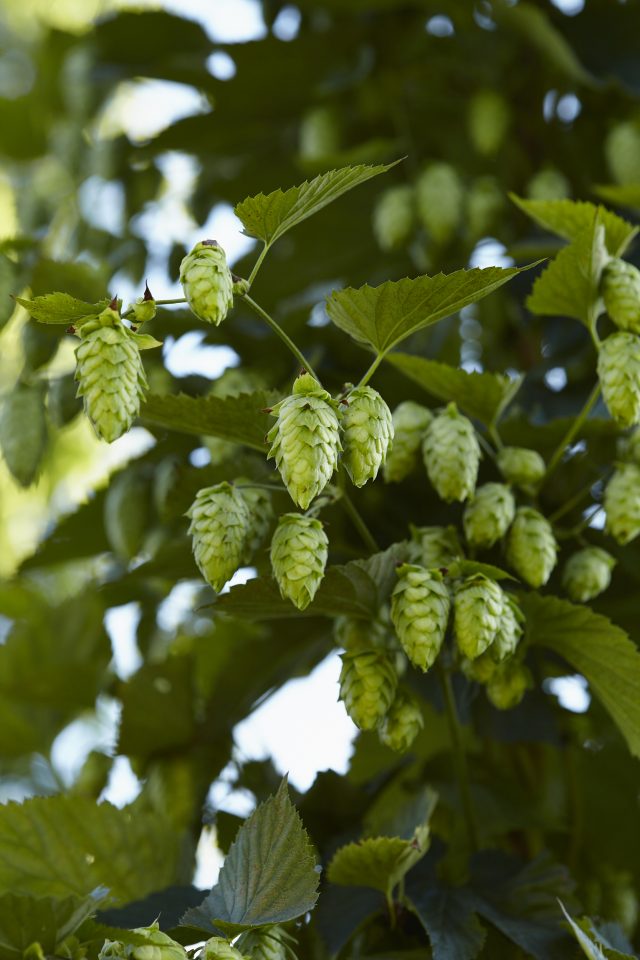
x,y
368,432
207,282
521,467
157,946
440,197
403,722
266,943
410,420
531,547
434,547
217,948
509,630
299,551
220,522
622,503
305,440
619,373
368,685
620,289
394,217
508,684
451,454
489,514
587,573
420,607
478,610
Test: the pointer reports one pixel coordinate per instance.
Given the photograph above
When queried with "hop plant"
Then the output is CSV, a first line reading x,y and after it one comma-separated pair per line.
x,y
489,117
451,454
299,551
482,668
622,150
479,605
358,635
509,630
439,199
217,948
420,607
220,521
157,946
305,440
260,517
620,289
522,467
489,514
622,503
367,432
368,685
394,217
531,547
403,722
508,684
410,420
207,282
619,373
434,547
587,573
629,447
266,943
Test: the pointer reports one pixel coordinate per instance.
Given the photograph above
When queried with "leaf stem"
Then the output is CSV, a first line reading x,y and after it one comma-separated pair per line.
x,y
277,487
572,502
358,522
372,369
258,264
459,756
163,303
277,329
573,431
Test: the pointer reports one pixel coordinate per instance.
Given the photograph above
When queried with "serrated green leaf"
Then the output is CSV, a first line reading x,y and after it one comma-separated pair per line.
x,y
60,308
268,217
589,942
25,920
599,650
572,218
23,431
378,862
241,419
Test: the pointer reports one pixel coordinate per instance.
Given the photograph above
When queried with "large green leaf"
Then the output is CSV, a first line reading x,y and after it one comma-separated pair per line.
x,y
241,419
25,920
60,308
156,691
378,862
572,218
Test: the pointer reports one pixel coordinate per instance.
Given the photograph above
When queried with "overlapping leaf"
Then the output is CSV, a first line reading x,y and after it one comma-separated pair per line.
x,y
241,419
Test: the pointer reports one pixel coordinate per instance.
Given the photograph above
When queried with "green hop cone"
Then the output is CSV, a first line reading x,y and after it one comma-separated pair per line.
x,y
622,503
266,943
144,308
368,685
628,447
319,135
485,202
157,946
489,514
451,454
403,722
207,282
367,432
260,518
478,609
394,217
548,184
217,948
220,522
620,289
410,420
619,373
508,684
439,199
531,547
110,375
488,120
482,668
420,607
434,547
299,551
522,467
509,630
587,573
305,440
358,635
622,150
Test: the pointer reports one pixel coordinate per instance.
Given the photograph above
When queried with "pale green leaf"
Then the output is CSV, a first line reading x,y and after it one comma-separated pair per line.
x,y
536,29
623,195
242,419
378,862
571,218
23,431
590,943
60,308
25,920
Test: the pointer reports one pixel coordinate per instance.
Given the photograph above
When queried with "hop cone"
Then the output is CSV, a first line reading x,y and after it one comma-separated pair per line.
x,y
420,607
451,454
394,218
489,514
266,943
358,635
207,282
367,686
305,440
548,184
110,374
509,630
220,521
434,547
440,198
217,948
521,467
628,447
508,684
403,722
478,610
260,516
299,551
482,668
587,573
622,503
619,373
622,150
485,201
489,117
368,432
620,291
410,420
531,547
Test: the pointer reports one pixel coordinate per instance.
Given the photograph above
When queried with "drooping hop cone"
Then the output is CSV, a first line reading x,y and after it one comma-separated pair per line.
x,y
478,610
440,199
531,547
299,551
266,943
587,573
367,434
434,547
217,948
620,289
220,521
522,467
410,421
451,454
403,722
619,373
489,514
207,282
110,375
394,217
305,440
508,684
622,503
368,685
509,630
420,607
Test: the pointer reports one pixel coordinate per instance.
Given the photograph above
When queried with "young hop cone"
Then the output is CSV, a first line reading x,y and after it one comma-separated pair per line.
x,y
620,289
440,199
357,635
489,514
217,948
451,454
394,217
266,943
143,309
410,420
587,573
509,630
622,503
207,282
305,440
299,551
403,722
420,607
434,547
521,467
531,547
220,521
508,684
478,607
367,433
368,685
619,373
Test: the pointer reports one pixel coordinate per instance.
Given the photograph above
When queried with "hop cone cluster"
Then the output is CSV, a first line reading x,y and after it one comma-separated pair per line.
x,y
403,722
394,217
531,547
620,289
622,503
207,282
368,432
110,374
410,420
299,551
220,520
489,514
521,467
368,685
508,684
587,573
305,440
420,607
619,373
217,948
451,454
478,609
440,198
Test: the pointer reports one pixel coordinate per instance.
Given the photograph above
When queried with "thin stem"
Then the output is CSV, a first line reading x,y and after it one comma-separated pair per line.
x,y
486,446
573,431
495,436
163,303
459,756
367,537
372,369
571,503
277,329
277,487
258,264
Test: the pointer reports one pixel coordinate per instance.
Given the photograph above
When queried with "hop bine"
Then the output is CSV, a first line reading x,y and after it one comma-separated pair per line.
x,y
207,282
451,454
587,573
420,607
368,685
622,503
403,722
220,522
531,547
368,432
619,373
478,610
489,514
299,551
410,421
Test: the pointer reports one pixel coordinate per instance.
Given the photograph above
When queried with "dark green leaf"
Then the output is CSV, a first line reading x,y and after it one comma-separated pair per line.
x,y
447,914
591,945
23,431
25,920
241,419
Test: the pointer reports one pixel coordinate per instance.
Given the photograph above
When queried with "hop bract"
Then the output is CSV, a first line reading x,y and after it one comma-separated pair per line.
x,y
410,420
299,551
217,948
305,440
357,635
522,467
619,373
509,630
434,547
420,607
368,432
207,282
489,514
220,521
587,573
508,684
394,217
478,609
622,503
368,685
266,943
143,309
403,722
451,454
531,547
620,289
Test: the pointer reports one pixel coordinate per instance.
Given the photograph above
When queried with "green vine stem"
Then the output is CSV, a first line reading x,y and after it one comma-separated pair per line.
x,y
459,756
258,264
367,537
372,369
277,329
572,432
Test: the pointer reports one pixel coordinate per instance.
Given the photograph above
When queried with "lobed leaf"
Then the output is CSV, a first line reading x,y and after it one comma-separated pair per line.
x,y
572,218
60,308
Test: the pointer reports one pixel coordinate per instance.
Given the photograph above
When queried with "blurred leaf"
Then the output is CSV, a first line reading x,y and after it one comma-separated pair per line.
x,y
25,920
23,431
157,691
241,419
623,195
535,27
592,948
572,218
166,906
447,914
60,308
